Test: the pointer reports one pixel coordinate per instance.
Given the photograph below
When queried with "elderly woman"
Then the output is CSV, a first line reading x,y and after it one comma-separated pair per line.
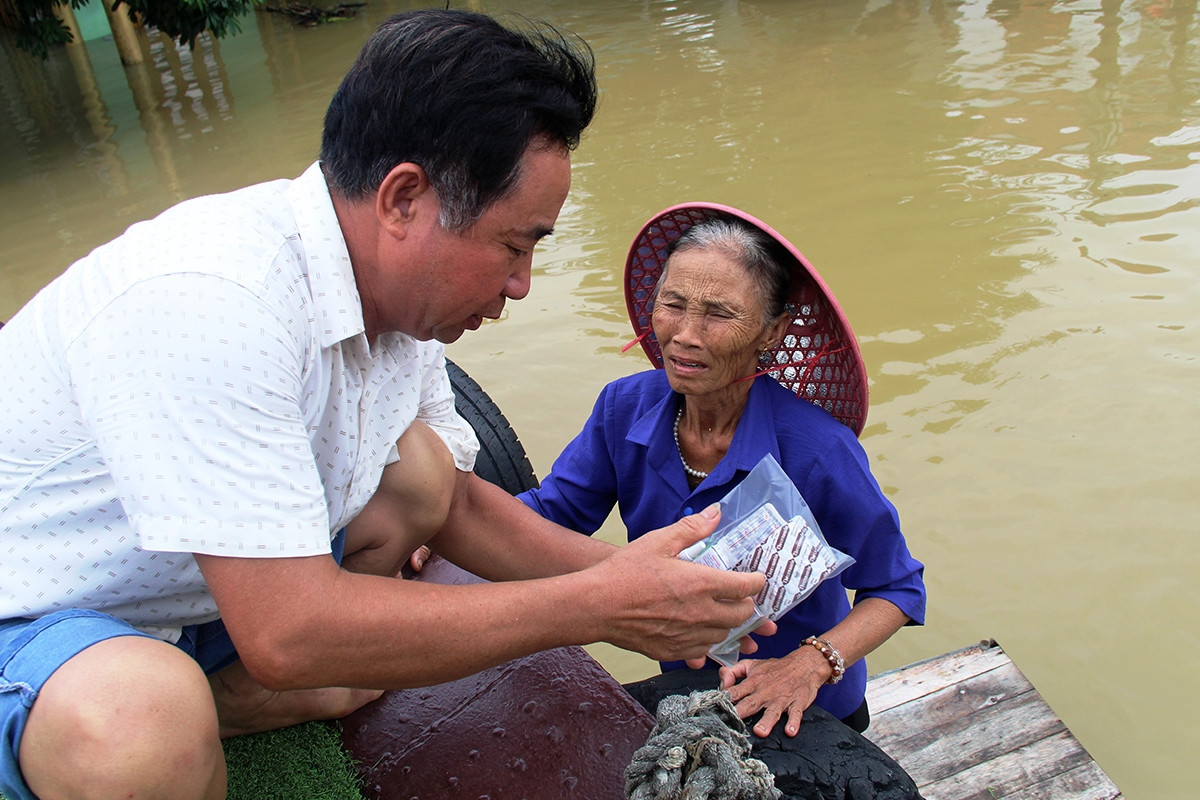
x,y
663,443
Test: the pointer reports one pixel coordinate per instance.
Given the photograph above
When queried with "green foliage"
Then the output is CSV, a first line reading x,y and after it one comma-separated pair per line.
x,y
304,762
38,28
183,20
186,19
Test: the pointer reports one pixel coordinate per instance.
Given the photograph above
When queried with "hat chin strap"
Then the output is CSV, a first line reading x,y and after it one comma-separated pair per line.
x,y
636,341
807,363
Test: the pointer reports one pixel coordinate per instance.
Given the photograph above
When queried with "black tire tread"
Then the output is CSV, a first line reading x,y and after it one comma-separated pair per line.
x,y
502,459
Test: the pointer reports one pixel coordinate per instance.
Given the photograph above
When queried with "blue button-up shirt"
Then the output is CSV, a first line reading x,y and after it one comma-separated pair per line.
x,y
626,455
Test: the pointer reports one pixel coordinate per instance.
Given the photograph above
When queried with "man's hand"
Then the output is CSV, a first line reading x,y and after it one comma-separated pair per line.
x,y
748,645
667,608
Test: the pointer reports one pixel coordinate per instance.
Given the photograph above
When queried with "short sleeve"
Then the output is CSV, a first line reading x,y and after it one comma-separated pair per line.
x,y
438,412
191,386
857,518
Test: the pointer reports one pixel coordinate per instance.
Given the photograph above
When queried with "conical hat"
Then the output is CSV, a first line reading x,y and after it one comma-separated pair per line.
x,y
818,357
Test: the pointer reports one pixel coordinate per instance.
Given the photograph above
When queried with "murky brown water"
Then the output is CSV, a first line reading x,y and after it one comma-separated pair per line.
x,y
1004,196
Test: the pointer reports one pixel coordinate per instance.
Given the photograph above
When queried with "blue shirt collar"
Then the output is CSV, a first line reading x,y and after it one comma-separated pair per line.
x,y
755,436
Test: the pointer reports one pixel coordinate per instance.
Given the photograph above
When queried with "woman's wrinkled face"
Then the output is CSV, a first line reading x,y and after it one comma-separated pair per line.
x,y
708,318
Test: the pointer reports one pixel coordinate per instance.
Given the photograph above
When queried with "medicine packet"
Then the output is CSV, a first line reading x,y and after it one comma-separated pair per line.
x,y
766,526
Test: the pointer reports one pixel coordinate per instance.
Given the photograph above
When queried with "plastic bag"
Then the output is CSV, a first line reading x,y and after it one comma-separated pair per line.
x,y
767,527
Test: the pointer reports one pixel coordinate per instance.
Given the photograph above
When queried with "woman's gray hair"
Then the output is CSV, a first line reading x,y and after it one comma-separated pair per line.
x,y
760,255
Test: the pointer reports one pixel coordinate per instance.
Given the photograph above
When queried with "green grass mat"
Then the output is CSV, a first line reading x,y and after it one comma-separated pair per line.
x,y
304,762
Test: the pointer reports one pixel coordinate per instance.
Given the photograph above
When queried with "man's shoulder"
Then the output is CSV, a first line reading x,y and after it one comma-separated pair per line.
x,y
227,235
257,216
245,225
246,238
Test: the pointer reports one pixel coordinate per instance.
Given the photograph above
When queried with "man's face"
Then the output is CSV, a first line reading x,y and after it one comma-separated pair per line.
x,y
471,274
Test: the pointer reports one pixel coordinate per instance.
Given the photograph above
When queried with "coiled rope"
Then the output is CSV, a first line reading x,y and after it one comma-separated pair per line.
x,y
698,750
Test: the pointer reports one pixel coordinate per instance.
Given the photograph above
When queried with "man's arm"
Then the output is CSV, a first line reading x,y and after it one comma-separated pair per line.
x,y
304,622
495,536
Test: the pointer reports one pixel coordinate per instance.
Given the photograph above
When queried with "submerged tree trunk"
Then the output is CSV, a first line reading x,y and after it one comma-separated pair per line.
x,y
124,33
66,15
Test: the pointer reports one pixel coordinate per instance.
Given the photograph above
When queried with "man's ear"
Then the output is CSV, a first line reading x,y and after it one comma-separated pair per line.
x,y
402,193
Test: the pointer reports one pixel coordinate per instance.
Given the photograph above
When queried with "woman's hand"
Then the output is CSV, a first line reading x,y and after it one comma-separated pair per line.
x,y
417,560
786,686
779,687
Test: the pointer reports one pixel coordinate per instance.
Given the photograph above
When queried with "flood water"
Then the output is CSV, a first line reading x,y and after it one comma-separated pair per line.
x,y
1004,196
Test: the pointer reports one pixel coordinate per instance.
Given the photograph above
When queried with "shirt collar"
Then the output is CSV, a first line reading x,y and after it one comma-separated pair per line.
x,y
755,434
327,260
653,430
754,437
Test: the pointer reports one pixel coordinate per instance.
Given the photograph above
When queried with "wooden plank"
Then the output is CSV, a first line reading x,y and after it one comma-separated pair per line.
x,y
905,684
1085,782
933,754
970,726
948,708
1053,768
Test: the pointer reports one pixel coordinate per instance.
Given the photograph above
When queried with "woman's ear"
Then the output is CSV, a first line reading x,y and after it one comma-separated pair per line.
x,y
773,335
401,195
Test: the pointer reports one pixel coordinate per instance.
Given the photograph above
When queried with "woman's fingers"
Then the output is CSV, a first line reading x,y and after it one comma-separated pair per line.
x,y
419,557
777,687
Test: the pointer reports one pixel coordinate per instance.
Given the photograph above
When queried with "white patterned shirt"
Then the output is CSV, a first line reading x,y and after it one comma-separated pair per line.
x,y
201,384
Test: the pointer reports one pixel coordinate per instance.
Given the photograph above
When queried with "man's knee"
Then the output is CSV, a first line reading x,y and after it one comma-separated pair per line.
x,y
425,473
128,716
410,506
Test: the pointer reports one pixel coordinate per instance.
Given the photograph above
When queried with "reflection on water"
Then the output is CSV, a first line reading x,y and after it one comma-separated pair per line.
x,y
1003,195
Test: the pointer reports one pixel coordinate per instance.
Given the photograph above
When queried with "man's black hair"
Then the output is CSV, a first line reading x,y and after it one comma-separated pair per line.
x,y
463,97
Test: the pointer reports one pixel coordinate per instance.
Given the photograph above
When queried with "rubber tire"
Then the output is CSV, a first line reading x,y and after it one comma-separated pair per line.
x,y
502,459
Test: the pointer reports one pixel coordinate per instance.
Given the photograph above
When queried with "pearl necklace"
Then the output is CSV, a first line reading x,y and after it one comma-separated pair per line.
x,y
695,473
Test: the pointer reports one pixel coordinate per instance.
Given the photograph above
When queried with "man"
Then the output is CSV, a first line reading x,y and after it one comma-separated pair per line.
x,y
208,400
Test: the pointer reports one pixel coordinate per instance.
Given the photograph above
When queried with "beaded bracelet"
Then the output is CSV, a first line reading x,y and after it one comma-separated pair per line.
x,y
831,655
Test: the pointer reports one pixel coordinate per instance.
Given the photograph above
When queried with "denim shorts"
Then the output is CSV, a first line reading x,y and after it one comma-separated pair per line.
x,y
31,651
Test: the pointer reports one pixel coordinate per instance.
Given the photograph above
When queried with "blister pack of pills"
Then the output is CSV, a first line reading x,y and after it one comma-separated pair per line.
x,y
767,527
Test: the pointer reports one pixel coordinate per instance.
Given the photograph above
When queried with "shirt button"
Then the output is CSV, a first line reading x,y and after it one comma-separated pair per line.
x,y
687,512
